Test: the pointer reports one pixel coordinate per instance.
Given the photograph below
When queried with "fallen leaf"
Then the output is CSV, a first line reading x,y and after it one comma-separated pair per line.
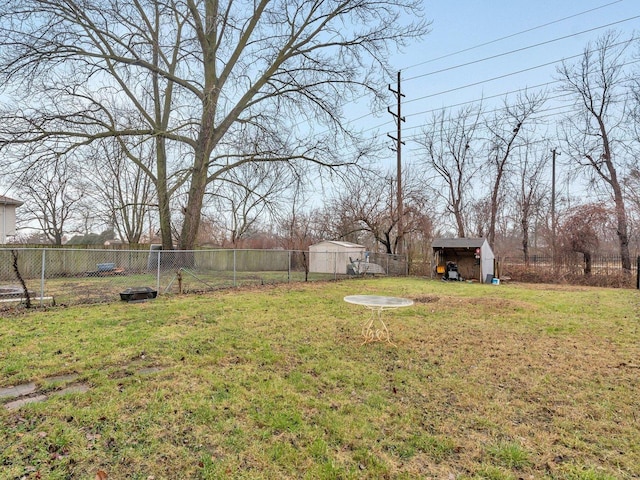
x,y
101,475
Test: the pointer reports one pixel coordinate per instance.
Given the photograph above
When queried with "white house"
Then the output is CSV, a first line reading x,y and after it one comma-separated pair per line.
x,y
7,217
332,256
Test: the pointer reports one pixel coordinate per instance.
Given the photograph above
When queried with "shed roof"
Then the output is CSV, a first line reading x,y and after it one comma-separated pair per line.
x,y
341,244
458,242
9,201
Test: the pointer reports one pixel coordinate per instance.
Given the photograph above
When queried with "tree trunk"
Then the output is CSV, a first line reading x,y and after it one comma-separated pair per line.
x,y
164,214
491,237
587,263
457,211
164,196
193,210
622,228
525,240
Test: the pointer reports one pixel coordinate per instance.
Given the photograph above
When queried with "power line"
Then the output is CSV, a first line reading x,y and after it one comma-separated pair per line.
x,y
499,77
468,102
541,114
490,42
385,124
511,35
483,98
505,75
517,50
505,94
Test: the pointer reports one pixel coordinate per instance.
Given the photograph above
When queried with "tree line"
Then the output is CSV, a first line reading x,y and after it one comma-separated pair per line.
x,y
205,122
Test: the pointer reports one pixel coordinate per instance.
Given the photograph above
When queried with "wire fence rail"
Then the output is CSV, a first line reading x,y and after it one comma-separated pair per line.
x,y
75,276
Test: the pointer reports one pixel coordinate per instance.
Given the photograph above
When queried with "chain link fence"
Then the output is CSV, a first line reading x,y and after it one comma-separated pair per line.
x,y
578,269
75,276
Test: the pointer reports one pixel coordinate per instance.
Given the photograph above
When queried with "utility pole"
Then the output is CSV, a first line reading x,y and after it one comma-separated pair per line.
x,y
398,149
554,154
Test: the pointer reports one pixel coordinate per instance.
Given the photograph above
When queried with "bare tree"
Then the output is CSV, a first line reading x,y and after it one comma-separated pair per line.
x,y
365,210
299,229
215,84
447,145
632,179
122,192
50,197
505,129
364,207
632,191
597,84
478,217
248,194
529,191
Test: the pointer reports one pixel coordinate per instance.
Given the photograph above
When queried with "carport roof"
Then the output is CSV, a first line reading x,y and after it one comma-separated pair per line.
x,y
457,242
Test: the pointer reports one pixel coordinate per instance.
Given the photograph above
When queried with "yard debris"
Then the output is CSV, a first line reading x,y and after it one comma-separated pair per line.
x,y
627,365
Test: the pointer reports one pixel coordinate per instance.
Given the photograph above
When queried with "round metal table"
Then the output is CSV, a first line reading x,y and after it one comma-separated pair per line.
x,y
375,329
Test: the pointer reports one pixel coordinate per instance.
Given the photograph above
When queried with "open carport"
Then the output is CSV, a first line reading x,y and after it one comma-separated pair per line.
x,y
472,258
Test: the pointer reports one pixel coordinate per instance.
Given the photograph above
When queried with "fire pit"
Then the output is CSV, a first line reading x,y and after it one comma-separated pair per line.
x,y
138,293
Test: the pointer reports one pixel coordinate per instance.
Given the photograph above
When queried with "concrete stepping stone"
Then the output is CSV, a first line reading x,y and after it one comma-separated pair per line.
x,y
18,390
75,388
62,378
24,401
27,391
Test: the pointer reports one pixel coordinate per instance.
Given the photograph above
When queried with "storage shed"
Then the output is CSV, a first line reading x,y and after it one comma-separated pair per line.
x,y
332,256
7,217
463,259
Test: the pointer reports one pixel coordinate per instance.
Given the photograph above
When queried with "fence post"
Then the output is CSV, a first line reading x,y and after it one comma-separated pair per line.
x,y
158,272
289,268
638,272
42,273
234,267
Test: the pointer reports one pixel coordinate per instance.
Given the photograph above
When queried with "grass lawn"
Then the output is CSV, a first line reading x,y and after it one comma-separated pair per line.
x,y
484,382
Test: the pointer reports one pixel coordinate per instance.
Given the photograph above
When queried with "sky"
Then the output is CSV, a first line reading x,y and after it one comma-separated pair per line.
x,y
469,45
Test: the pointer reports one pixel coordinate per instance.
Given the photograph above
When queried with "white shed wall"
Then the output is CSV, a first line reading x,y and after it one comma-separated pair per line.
x,y
333,257
486,261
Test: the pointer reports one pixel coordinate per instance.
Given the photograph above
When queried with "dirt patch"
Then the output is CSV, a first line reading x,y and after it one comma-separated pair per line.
x,y
498,304
426,299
